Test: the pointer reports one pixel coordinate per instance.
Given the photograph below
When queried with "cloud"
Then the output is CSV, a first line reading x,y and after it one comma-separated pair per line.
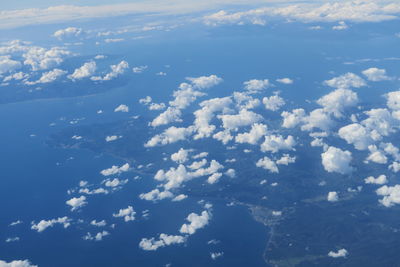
x,y
196,222
346,81
267,164
170,115
273,103
332,196
68,33
255,85
391,195
86,70
243,118
98,224
114,170
286,159
49,77
164,240
214,178
336,160
376,155
98,237
285,81
111,138
170,135
205,82
122,108
44,224
139,69
7,64
339,254
181,156
274,143
76,202
294,118
341,26
128,214
357,135
318,118
116,70
337,101
216,255
376,75
257,131
393,100
17,263
40,58
380,180
156,195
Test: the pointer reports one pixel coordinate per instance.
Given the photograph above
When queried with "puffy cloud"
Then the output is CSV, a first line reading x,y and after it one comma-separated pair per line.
x,y
44,224
267,164
17,263
223,136
393,100
230,173
391,195
337,101
128,214
381,179
98,224
49,76
214,178
68,33
380,122
185,96
294,118
285,81
336,160
318,118
256,85
273,103
245,100
170,115
196,222
223,17
164,240
40,58
339,254
115,170
198,164
205,82
114,182
375,74
122,108
341,26
139,69
116,70
286,159
376,155
357,135
156,194
181,156
346,81
77,202
111,138
98,237
243,118
257,131
170,135
86,70
7,64
332,196
16,76
274,143
216,255
179,197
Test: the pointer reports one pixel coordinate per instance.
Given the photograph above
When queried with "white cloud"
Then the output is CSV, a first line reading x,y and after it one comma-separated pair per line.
x,y
273,103
346,81
340,253
267,164
337,160
116,70
257,131
49,77
375,74
214,178
139,69
216,255
243,118
17,263
170,115
357,135
128,214
40,58
170,135
285,81
68,33
332,196
376,155
196,222
156,195
381,179
164,240
44,224
294,118
111,138
255,85
7,64
341,26
86,70
98,237
76,202
122,108
286,159
393,100
114,182
274,143
114,170
391,195
181,156
318,118
223,136
337,101
101,223
205,82
179,197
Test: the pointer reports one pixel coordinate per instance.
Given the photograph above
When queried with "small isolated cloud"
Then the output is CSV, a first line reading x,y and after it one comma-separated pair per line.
x,y
156,195
122,108
7,64
391,195
332,196
205,82
181,156
49,77
255,85
195,222
139,69
97,237
341,26
275,143
257,131
116,70
115,170
346,81
216,255
243,118
128,214
170,135
380,180
285,81
336,160
76,202
69,33
17,263
86,70
375,74
44,224
267,164
341,253
164,240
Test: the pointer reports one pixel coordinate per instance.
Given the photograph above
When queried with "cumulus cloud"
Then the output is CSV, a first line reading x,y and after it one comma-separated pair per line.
x,y
393,100
76,202
156,195
116,70
128,214
243,118
40,58
115,170
376,155
294,118
285,81
164,240
336,160
171,135
49,77
375,74
337,101
139,69
181,156
214,178
255,85
357,135
332,196
341,253
86,70
196,222
267,164
97,237
346,81
274,143
391,195
257,131
205,82
122,108
17,263
273,103
44,224
380,180
68,33
7,64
